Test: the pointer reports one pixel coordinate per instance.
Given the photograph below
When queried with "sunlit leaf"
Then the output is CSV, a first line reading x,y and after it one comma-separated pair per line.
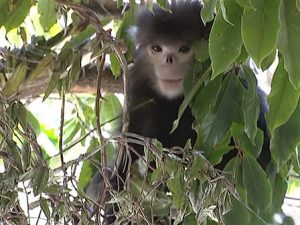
x,y
260,28
110,113
280,111
288,42
18,14
163,4
15,80
225,40
259,190
46,9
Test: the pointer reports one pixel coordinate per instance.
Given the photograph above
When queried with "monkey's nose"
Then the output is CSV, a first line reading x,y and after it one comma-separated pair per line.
x,y
169,60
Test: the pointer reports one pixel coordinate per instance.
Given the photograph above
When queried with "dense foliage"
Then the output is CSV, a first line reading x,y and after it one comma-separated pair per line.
x,y
56,43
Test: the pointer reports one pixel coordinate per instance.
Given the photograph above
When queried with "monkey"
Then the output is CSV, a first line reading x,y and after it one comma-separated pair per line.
x,y
163,58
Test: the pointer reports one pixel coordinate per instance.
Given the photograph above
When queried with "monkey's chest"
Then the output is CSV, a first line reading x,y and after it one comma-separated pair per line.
x,y
156,121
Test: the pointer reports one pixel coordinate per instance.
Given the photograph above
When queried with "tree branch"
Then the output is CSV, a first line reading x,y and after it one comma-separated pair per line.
x,y
85,84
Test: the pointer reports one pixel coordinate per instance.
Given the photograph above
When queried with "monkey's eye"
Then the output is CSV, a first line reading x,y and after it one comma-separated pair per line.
x,y
156,48
184,49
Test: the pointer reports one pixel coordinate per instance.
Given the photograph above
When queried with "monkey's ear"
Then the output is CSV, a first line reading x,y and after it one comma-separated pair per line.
x,y
132,31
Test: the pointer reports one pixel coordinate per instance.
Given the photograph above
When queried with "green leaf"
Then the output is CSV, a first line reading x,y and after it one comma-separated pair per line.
x,y
86,172
115,65
217,123
71,130
208,10
200,48
111,109
259,190
18,14
243,57
46,9
286,138
245,3
298,4
46,64
251,107
176,186
238,213
288,42
225,40
205,99
45,207
251,147
15,81
190,219
22,114
163,4
281,110
15,154
268,61
279,190
260,28
40,179
188,98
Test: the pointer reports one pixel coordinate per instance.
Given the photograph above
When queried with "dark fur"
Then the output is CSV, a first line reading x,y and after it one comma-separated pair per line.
x,y
182,22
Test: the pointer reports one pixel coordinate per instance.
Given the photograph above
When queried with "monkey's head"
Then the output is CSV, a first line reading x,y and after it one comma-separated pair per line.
x,y
164,39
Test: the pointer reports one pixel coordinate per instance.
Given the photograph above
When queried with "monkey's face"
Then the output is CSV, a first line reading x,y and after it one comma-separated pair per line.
x,y
171,62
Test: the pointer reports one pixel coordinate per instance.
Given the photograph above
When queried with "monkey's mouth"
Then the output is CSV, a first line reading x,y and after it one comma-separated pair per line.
x,y
171,81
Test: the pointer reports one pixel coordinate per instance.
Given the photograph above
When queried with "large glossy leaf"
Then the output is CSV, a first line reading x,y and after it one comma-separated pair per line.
x,y
250,104
286,138
282,100
18,14
46,9
260,28
288,42
15,80
225,40
258,187
217,123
